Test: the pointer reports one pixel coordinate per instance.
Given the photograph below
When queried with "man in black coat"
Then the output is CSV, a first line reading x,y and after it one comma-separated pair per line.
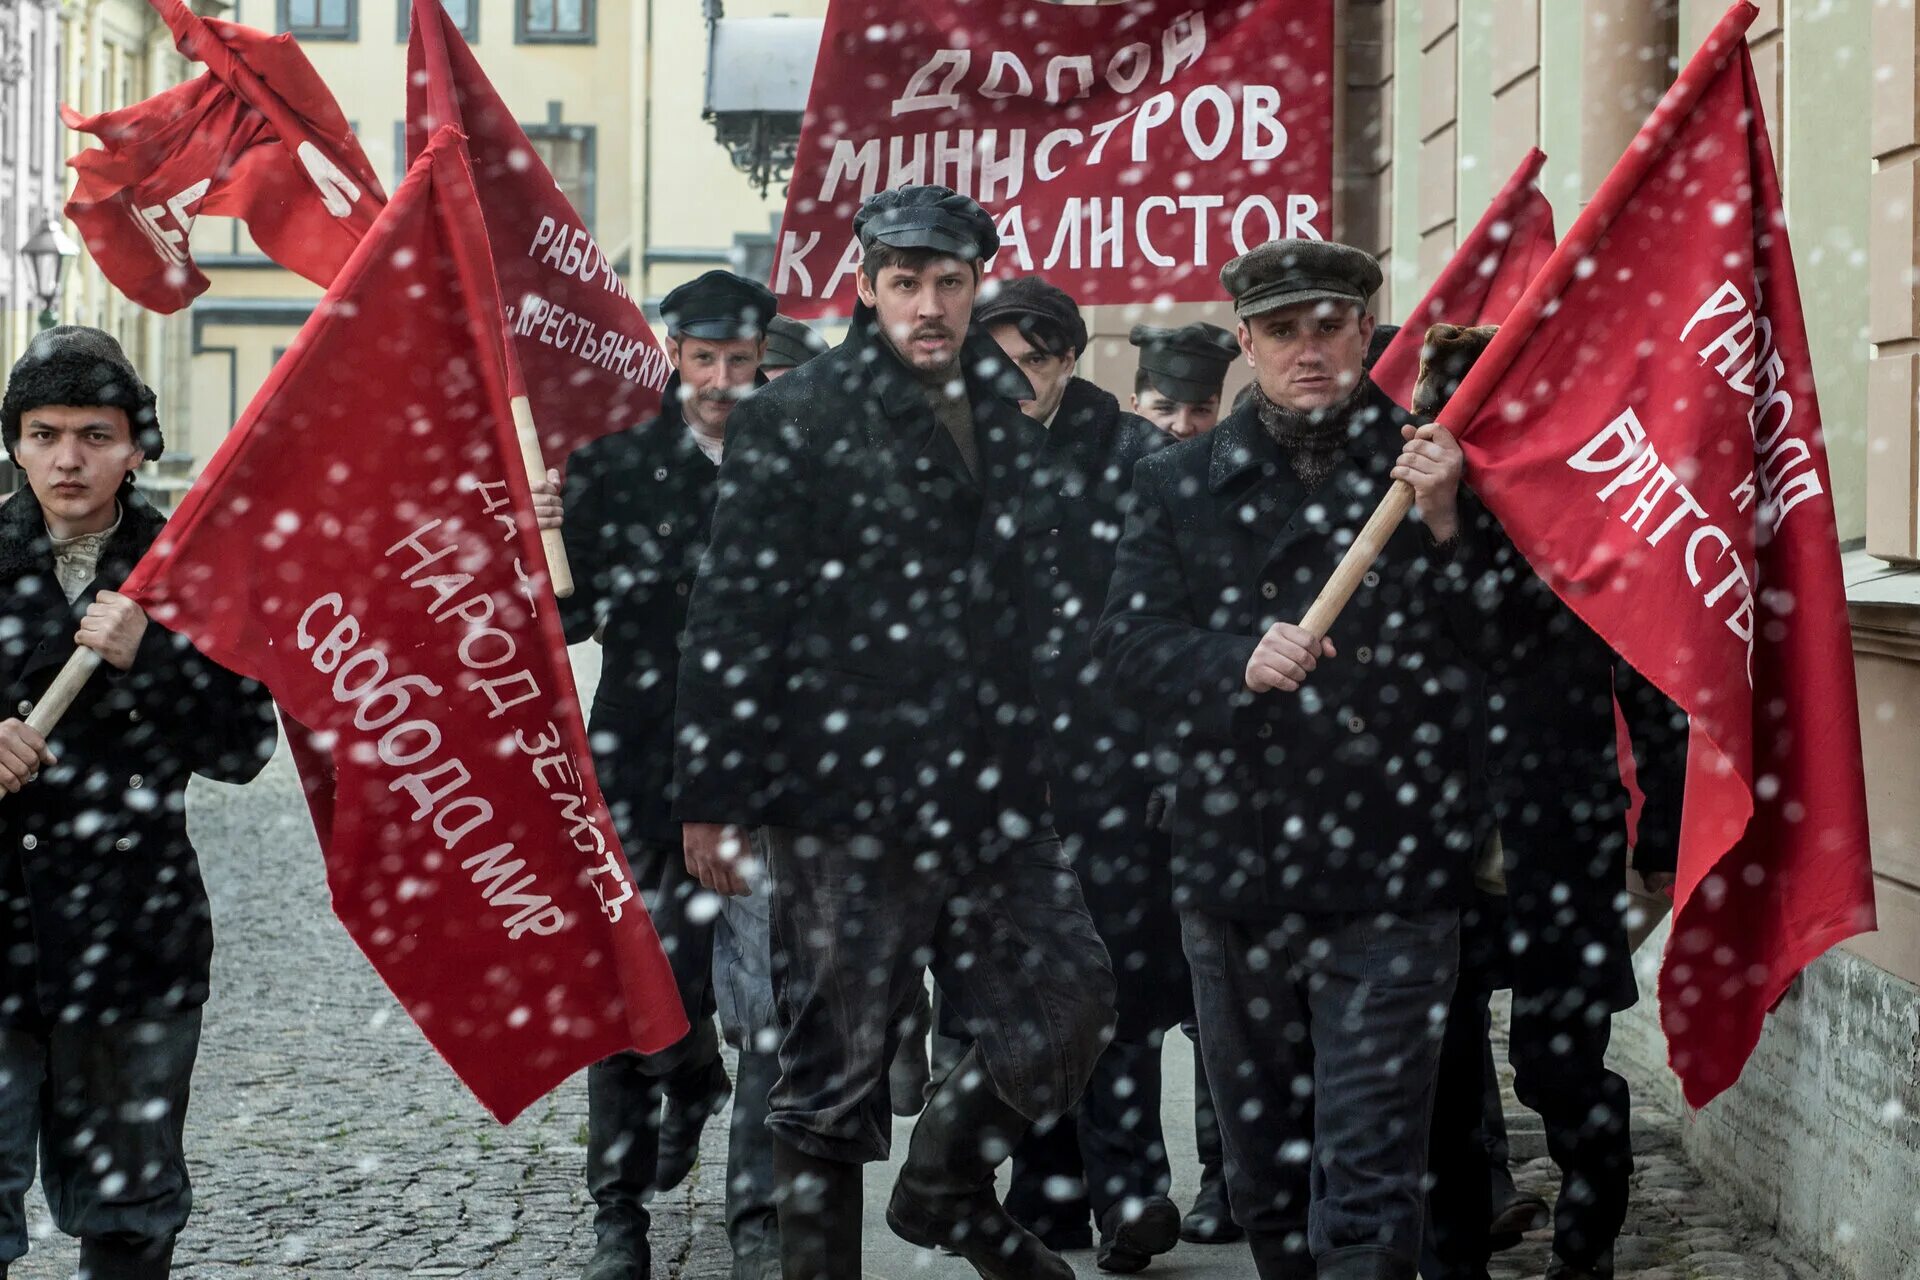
x,y
108,935
1322,819
1076,504
856,695
1552,781
637,509
1181,376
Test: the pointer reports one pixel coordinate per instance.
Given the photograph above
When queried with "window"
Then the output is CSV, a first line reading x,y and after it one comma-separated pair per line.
x,y
321,19
567,151
465,15
553,21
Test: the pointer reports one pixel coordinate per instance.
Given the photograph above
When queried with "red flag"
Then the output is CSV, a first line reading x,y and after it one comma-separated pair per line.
x,y
362,544
1486,276
1646,428
583,353
258,138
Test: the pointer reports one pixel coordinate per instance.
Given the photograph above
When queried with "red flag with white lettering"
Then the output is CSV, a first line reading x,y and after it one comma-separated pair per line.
x,y
1486,275
363,545
1646,429
583,353
258,138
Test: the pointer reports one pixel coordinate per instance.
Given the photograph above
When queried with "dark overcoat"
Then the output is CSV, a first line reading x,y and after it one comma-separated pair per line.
x,y
856,656
1352,794
102,908
1551,775
638,505
1076,507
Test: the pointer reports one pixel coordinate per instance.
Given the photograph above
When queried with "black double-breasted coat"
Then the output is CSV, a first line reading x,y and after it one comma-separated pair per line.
x,y
1352,794
638,504
1101,784
102,909
856,655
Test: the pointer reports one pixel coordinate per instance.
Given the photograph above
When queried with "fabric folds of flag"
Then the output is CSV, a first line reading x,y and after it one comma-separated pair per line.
x,y
363,544
1645,426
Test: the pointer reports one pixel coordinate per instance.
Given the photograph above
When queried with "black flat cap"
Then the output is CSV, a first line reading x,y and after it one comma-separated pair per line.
x,y
936,218
1189,364
719,306
1046,315
790,344
1285,273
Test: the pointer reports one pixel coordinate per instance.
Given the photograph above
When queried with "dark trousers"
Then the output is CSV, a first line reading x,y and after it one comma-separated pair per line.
x,y
856,921
1111,1148
106,1106
1206,1120
1322,1037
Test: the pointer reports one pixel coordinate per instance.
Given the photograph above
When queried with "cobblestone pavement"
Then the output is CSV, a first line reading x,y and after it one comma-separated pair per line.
x,y
327,1139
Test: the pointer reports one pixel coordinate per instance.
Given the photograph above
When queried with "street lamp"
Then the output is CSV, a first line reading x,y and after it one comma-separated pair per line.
x,y
47,253
758,74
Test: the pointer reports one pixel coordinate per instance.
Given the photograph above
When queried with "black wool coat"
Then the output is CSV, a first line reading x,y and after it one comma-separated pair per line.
x,y
1551,774
1353,794
1076,506
856,655
102,908
638,506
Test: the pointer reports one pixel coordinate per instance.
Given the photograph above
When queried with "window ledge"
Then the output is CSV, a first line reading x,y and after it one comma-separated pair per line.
x,y
1883,603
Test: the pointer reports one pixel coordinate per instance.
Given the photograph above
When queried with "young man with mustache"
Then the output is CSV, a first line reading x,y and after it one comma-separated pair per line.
x,y
106,927
1322,821
855,706
637,509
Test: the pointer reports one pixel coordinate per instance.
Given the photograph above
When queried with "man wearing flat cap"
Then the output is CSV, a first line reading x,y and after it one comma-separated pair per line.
x,y
1076,503
637,509
855,710
1181,374
105,933
1321,820
790,344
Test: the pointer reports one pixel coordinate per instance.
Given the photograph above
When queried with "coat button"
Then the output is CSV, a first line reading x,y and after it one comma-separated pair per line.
x,y
122,844
134,716
1372,579
136,782
679,588
24,709
660,473
1269,590
1266,731
1364,654
29,842
665,528
1356,725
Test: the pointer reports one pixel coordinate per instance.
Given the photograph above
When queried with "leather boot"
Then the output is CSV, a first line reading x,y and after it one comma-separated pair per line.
x,y
753,1226
693,1098
1282,1257
623,1137
945,1193
819,1203
111,1260
1210,1220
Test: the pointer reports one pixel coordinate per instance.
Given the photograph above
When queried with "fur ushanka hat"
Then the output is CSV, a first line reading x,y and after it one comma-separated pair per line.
x,y
72,364
1445,356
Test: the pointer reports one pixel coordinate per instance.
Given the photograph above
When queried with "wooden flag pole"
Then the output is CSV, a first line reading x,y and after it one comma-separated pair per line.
x,y
558,570
1366,548
65,687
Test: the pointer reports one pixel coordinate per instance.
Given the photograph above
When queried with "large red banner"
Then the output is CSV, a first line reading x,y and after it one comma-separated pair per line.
x,y
1126,151
1646,428
363,545
257,138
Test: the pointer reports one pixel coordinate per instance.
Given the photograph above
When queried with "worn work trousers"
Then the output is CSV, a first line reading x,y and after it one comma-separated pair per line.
x,y
106,1106
856,921
1322,1038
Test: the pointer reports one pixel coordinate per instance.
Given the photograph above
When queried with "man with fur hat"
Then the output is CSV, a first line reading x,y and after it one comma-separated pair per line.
x,y
1112,1149
1552,783
1322,823
855,704
106,922
637,509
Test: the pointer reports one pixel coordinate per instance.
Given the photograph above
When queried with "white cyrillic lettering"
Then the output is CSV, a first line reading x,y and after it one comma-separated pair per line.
x,y
1301,211
1181,45
1066,238
1625,431
793,259
1127,69
1240,215
302,636
1209,148
1147,248
390,752
451,832
425,788
1262,135
471,641
953,162
850,164
399,691
1199,207
1043,166
503,705
1001,177
1003,63
419,548
1080,66
921,95
1155,111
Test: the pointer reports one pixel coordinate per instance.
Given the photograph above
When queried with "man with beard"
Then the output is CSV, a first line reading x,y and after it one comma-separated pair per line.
x,y
855,696
1182,372
107,932
636,512
1321,820
1112,1148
